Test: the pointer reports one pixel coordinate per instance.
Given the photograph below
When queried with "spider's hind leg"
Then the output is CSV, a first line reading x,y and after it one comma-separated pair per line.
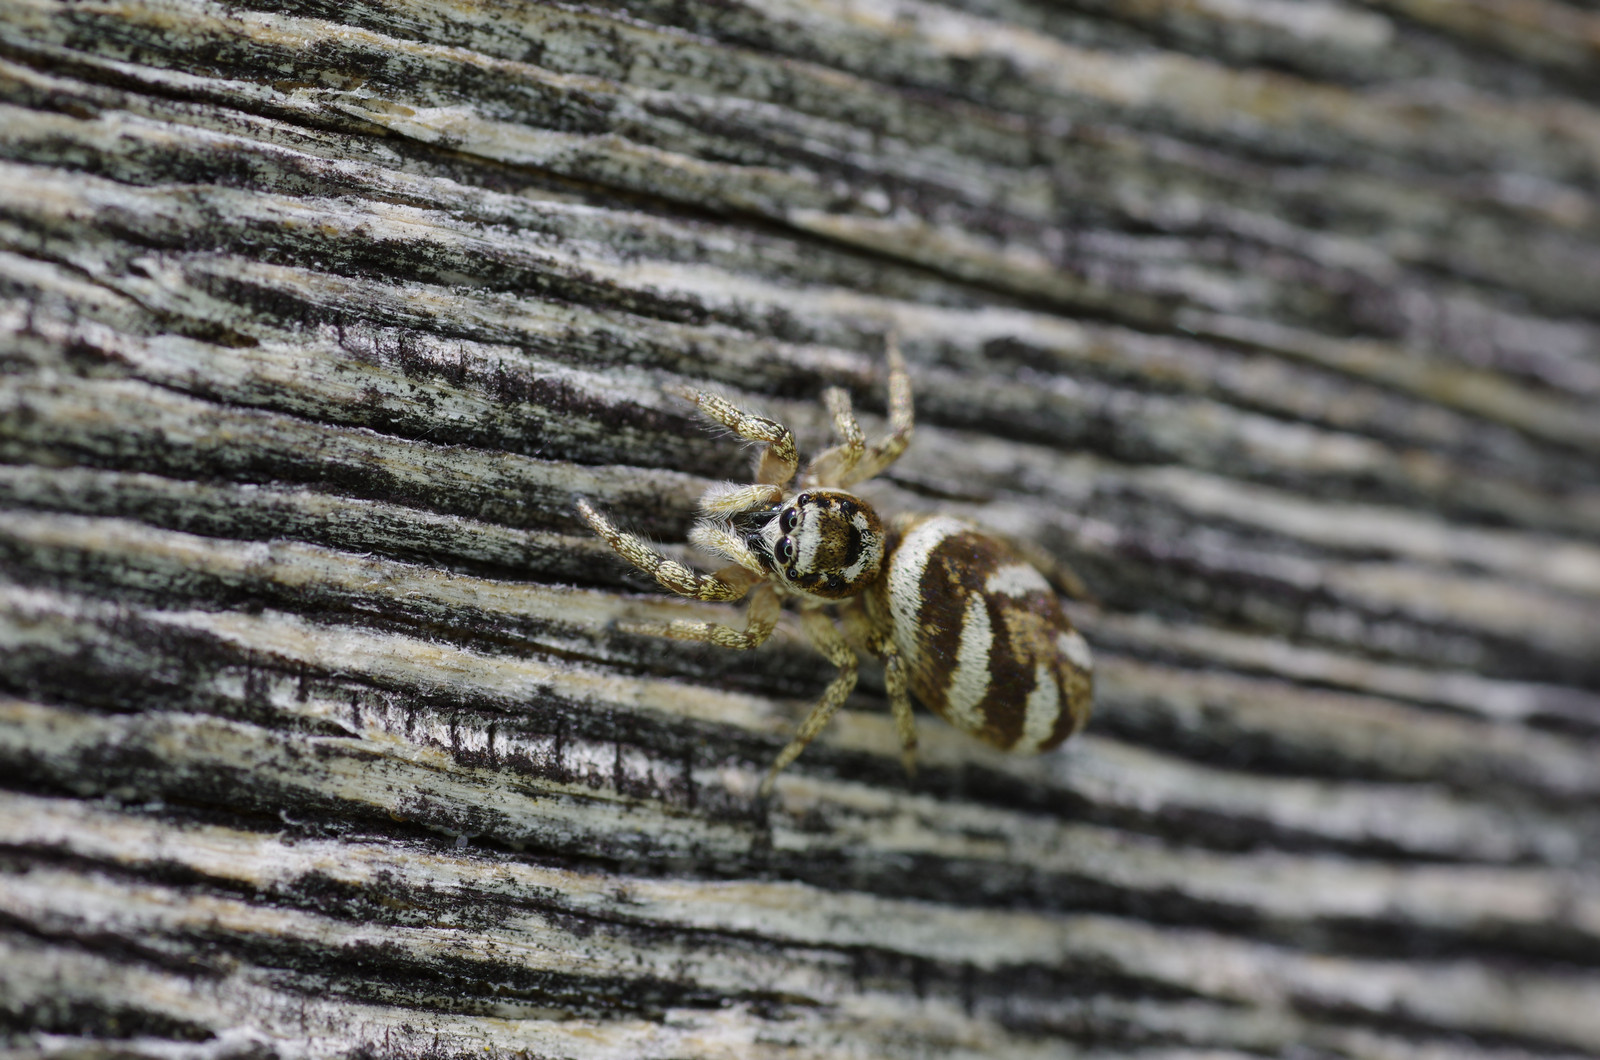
x,y
827,639
1062,578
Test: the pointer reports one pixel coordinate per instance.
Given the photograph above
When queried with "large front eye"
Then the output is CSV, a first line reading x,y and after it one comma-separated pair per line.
x,y
789,518
784,551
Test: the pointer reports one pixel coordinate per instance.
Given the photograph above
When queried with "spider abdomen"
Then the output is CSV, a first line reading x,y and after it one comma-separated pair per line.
x,y
985,642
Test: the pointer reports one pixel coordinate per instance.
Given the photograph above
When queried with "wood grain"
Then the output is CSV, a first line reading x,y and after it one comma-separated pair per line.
x,y
1278,322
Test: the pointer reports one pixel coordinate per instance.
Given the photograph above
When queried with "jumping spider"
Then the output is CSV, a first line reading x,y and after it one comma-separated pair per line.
x,y
958,617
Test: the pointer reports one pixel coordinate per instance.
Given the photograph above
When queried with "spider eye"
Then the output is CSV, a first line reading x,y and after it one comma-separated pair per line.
x,y
785,551
789,518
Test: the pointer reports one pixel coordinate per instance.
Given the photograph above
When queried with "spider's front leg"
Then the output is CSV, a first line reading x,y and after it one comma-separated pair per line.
x,y
728,584
778,460
761,617
725,585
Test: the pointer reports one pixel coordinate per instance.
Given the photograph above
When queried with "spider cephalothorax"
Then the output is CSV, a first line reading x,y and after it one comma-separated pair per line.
x,y
957,616
821,542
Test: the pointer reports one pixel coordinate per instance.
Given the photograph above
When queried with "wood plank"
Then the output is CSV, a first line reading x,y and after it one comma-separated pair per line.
x,y
319,734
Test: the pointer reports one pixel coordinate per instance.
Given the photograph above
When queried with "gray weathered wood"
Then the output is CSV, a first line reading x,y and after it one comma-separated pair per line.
x,y
1279,322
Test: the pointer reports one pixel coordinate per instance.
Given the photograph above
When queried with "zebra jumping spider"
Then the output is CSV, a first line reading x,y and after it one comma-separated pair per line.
x,y
957,617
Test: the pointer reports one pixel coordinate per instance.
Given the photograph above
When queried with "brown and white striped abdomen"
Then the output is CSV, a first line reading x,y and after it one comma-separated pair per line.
x,y
986,643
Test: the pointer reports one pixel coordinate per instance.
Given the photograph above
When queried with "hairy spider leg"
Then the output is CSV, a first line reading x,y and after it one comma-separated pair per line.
x,y
859,630
830,466
887,450
728,498
761,617
725,585
897,682
720,540
778,460
827,639
1061,577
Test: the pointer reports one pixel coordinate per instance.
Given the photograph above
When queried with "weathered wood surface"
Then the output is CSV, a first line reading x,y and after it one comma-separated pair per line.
x,y
1279,321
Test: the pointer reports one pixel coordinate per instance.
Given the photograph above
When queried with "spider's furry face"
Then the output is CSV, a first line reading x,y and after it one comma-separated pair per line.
x,y
822,542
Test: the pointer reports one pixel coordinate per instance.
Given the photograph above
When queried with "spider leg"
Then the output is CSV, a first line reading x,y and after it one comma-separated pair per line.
x,y
887,450
672,575
905,723
860,632
1061,577
827,639
831,466
728,498
761,616
721,541
778,460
